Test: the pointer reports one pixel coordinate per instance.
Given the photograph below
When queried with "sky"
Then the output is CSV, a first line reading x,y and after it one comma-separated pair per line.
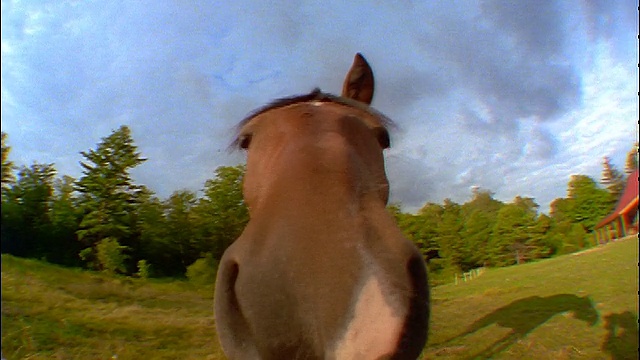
x,y
509,96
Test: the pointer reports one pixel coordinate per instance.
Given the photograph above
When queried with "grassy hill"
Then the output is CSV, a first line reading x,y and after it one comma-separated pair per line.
x,y
582,306
578,306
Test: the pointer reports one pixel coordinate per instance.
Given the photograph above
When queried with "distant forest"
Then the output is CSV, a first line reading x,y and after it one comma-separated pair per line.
x,y
105,222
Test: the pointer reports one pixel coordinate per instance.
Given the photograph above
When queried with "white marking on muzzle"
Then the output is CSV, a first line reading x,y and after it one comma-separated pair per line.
x,y
375,327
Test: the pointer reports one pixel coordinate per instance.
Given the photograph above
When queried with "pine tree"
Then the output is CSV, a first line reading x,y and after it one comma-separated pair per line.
x,y
25,211
612,178
7,166
108,195
631,164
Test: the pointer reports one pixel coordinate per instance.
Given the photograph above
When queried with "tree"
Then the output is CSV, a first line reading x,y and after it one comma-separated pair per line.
x,y
476,233
108,195
449,239
62,241
612,178
181,229
479,217
631,163
562,209
203,270
395,211
540,237
221,214
589,203
7,166
429,218
155,245
25,211
572,217
420,229
510,241
527,204
110,256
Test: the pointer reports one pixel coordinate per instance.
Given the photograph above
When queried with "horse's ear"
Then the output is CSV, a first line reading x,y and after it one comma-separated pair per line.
x,y
358,85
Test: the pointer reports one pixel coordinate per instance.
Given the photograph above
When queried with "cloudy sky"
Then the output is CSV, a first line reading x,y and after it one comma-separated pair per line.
x,y
511,96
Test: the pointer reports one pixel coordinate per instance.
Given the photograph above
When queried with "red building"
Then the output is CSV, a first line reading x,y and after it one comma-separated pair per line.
x,y
624,219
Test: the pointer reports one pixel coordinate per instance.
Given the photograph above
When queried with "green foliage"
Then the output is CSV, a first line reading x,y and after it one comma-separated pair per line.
x,y
175,232
539,246
88,255
586,203
416,228
479,218
120,224
25,211
65,217
144,269
108,193
448,234
487,232
155,245
180,225
511,233
221,214
7,166
110,256
574,239
203,270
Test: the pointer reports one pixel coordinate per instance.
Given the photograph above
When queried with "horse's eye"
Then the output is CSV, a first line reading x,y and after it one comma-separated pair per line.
x,y
383,137
244,141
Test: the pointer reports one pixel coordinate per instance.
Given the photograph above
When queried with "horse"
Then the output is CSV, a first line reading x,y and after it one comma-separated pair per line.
x,y
321,270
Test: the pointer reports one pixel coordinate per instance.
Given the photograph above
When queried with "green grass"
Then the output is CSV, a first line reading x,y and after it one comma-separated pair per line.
x,y
49,312
581,306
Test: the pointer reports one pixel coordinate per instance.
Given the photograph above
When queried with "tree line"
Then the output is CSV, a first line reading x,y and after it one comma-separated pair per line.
x,y
106,222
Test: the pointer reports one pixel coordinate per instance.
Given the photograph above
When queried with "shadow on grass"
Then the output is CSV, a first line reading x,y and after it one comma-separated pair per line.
x,y
525,315
621,341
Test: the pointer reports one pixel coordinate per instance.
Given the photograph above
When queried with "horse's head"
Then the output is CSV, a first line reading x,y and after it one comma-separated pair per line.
x,y
322,269
315,135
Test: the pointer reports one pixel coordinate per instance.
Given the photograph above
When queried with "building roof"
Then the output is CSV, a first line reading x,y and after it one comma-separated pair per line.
x,y
627,202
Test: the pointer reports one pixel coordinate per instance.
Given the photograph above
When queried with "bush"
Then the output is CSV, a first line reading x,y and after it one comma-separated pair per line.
x,y
203,270
144,269
88,256
110,255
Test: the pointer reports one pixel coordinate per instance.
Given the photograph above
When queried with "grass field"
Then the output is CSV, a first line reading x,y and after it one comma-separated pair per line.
x,y
580,306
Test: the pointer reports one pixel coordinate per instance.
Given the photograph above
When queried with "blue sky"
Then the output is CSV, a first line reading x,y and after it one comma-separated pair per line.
x,y
508,96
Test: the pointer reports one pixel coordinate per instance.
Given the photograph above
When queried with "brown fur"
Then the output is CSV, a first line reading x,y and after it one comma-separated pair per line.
x,y
316,189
